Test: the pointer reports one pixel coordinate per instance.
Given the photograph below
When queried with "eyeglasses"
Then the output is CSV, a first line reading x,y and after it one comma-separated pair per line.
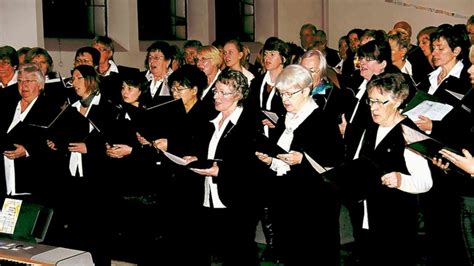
x,y
178,89
156,58
27,81
221,93
82,61
288,94
373,102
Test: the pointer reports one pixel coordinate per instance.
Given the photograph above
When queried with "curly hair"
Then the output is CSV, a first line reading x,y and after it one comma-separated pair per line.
x,y
237,80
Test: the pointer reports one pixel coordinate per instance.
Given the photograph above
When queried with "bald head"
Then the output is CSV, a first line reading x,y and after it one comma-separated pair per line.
x,y
403,25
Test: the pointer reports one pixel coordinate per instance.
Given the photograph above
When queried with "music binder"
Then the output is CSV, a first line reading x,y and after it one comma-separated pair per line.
x,y
14,136
429,148
161,104
153,123
265,145
424,145
108,138
67,127
427,105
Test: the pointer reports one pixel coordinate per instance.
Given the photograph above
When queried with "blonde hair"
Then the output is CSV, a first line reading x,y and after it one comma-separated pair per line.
x,y
211,52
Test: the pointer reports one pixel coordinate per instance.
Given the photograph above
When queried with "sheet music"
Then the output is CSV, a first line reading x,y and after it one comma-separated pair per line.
x,y
456,95
9,215
411,135
433,110
315,165
271,115
175,159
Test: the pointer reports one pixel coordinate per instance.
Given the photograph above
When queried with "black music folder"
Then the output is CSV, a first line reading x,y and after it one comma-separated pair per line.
x,y
155,121
68,126
16,135
429,148
423,144
265,145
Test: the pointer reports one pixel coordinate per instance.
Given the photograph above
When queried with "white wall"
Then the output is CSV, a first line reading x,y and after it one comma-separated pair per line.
x,y
21,23
347,14
292,14
201,22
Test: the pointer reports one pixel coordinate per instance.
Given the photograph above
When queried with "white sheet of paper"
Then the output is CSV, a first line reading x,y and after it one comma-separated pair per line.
x,y
412,136
175,159
315,165
457,95
271,115
433,110
9,215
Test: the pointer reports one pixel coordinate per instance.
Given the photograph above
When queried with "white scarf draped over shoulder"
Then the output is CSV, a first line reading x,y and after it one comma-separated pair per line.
x,y
292,122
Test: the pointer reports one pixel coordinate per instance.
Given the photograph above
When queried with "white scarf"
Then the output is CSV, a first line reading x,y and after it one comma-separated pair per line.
x,y
292,122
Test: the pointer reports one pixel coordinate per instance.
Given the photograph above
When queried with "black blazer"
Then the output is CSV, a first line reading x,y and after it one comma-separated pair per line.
x,y
30,172
420,65
102,116
302,191
208,104
392,213
145,99
454,128
253,102
185,130
332,56
319,137
237,149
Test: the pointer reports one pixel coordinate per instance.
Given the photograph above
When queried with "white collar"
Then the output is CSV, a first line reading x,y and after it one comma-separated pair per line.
x,y
234,117
267,79
149,76
112,68
455,71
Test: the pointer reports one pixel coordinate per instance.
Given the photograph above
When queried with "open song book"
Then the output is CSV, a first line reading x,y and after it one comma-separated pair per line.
x,y
424,145
426,105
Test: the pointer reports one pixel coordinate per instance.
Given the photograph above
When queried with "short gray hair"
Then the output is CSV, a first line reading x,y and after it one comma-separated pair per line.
x,y
294,76
31,68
